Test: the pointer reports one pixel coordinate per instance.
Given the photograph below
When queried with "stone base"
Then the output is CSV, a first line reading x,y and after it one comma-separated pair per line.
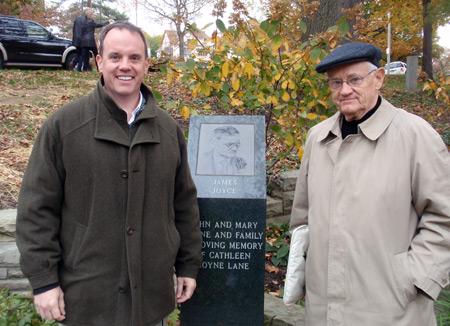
x,y
276,313
281,219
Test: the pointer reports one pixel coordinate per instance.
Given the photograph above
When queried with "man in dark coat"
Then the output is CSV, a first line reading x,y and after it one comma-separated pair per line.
x,y
88,40
77,33
108,210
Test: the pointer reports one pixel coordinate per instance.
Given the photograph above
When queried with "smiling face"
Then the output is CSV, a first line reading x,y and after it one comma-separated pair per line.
x,y
123,64
355,102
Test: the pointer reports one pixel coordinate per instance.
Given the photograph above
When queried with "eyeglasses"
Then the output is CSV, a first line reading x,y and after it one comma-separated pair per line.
x,y
356,81
231,145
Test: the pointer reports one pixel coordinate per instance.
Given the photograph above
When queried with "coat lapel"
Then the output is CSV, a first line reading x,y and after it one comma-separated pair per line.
x,y
374,127
331,136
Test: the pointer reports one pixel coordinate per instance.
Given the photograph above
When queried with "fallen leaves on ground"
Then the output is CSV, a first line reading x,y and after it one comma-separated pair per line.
x,y
271,268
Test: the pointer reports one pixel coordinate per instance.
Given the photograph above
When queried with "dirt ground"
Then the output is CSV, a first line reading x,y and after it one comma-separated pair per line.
x,y
28,96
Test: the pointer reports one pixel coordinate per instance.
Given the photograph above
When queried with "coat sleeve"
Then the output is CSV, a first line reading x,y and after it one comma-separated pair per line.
x,y
300,207
187,217
78,30
39,211
93,24
429,254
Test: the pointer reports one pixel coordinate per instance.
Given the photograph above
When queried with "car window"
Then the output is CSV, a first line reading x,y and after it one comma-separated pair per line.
x,y
35,31
10,27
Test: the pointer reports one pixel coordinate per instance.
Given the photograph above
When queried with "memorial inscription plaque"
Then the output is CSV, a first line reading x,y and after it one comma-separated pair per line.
x,y
227,161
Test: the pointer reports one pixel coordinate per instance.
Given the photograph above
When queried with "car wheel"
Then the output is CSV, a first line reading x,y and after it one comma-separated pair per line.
x,y
1,61
69,59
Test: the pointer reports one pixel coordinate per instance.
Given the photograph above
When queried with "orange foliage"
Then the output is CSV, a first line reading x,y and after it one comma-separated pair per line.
x,y
291,14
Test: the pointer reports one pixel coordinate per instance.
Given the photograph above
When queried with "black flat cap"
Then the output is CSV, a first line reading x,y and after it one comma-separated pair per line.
x,y
350,52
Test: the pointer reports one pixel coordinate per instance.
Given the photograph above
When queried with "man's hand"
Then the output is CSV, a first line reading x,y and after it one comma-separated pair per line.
x,y
50,304
185,288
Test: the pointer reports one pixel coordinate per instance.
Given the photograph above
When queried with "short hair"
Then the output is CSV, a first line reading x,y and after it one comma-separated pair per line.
x,y
371,66
85,12
122,25
226,130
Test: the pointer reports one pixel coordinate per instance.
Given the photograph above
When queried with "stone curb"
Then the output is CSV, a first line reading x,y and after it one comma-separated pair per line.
x,y
276,313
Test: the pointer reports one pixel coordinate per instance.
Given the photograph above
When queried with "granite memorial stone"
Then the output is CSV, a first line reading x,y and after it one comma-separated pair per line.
x,y
227,161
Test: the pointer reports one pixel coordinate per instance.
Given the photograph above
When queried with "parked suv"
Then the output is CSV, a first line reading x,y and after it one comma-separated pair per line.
x,y
25,43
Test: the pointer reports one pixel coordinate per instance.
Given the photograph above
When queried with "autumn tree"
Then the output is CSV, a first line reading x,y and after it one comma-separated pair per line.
x,y
368,21
154,42
254,70
427,63
181,13
304,18
435,13
328,14
241,10
292,15
407,23
29,9
56,15
14,7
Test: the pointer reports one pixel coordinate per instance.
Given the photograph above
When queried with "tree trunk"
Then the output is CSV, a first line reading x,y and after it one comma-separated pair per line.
x,y
180,42
328,14
427,58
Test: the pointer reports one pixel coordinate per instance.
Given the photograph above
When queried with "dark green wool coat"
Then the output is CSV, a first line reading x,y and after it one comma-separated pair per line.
x,y
109,212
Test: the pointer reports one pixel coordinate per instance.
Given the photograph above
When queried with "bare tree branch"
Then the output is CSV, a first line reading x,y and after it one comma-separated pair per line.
x,y
181,13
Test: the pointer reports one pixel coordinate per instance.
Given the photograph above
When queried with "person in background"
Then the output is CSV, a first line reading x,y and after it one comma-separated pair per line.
x,y
108,210
77,32
88,43
374,189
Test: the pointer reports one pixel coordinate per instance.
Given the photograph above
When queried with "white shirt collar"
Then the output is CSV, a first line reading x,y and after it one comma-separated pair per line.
x,y
137,109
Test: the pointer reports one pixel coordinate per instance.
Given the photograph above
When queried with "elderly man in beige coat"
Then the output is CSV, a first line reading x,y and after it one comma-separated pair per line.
x,y
374,188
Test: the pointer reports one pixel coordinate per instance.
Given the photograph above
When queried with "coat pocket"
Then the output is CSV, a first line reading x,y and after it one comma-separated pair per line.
x,y
405,286
174,239
72,257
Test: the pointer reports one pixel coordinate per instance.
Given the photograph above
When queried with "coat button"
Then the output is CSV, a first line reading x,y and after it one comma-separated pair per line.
x,y
130,230
122,289
124,174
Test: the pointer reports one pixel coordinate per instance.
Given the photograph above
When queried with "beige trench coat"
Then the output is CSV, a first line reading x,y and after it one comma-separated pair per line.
x,y
378,209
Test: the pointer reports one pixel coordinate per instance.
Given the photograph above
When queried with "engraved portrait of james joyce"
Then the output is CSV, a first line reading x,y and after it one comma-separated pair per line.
x,y
226,149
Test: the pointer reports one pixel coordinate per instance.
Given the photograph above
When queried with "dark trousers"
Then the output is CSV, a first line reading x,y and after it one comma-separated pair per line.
x,y
83,62
160,323
77,56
